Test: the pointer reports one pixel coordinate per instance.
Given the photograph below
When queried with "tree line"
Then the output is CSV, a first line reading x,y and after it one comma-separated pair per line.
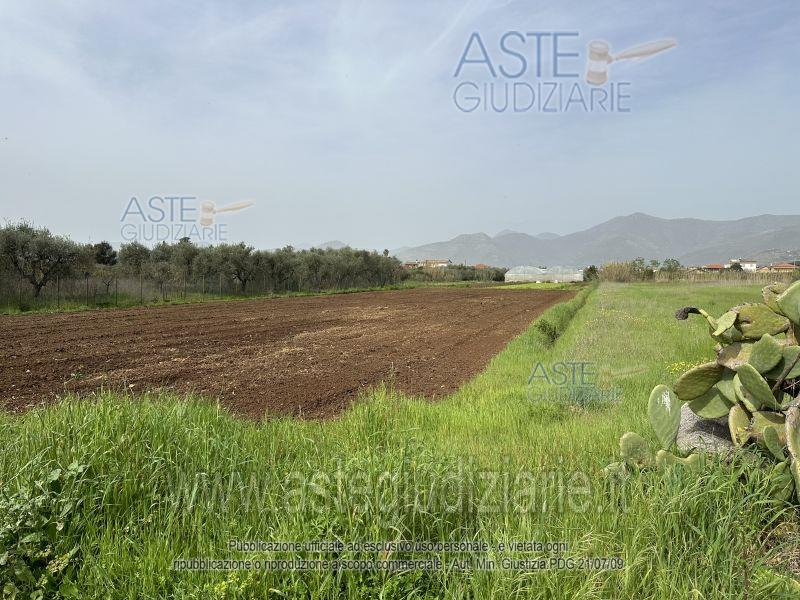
x,y
39,257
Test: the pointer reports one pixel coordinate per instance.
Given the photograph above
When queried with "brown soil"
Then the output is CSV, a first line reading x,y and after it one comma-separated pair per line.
x,y
305,356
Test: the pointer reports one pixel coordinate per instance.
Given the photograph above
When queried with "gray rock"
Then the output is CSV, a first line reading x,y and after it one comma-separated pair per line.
x,y
710,435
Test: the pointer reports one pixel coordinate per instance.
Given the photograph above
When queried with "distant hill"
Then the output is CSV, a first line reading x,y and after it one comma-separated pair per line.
x,y
766,238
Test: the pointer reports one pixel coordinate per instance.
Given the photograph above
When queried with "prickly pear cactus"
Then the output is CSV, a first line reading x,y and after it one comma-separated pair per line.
x,y
711,405
633,449
774,443
765,354
666,459
756,320
789,303
739,425
664,411
696,382
756,386
754,382
793,441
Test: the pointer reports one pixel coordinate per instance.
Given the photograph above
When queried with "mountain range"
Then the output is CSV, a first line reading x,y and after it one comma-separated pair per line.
x,y
765,238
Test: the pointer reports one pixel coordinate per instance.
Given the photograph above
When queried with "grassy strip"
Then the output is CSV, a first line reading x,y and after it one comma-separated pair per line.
x,y
195,298
499,461
554,321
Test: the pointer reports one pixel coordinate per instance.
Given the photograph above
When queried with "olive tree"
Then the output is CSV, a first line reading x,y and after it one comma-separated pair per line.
x,y
37,255
239,262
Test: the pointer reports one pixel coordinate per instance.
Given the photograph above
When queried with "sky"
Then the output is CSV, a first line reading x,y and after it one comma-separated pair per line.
x,y
338,120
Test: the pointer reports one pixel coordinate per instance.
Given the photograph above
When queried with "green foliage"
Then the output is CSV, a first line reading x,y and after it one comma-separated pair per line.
x,y
134,258
682,534
554,321
36,255
40,528
754,383
671,265
39,258
104,254
452,273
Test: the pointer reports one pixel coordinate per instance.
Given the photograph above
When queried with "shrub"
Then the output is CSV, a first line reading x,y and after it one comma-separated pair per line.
x,y
554,321
38,536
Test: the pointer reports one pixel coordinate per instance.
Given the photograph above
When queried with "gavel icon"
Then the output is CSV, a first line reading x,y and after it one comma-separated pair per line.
x,y
600,57
208,209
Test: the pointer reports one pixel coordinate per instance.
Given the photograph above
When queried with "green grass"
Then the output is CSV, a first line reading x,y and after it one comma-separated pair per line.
x,y
170,478
107,302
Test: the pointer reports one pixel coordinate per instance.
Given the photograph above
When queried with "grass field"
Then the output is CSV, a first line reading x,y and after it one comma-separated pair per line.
x,y
156,480
111,302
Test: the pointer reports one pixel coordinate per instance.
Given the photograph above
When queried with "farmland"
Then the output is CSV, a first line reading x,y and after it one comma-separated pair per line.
x,y
300,356
169,476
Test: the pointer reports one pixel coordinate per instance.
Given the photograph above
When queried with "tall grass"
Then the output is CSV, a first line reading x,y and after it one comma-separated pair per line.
x,y
175,478
555,320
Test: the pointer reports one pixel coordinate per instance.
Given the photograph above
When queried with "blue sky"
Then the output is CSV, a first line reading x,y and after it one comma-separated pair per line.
x,y
337,118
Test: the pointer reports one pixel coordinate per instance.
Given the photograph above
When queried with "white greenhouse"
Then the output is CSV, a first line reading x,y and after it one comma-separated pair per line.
x,y
537,274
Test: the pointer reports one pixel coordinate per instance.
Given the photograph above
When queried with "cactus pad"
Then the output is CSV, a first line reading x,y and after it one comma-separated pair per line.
x,y
634,450
665,459
725,322
734,355
725,385
664,411
770,294
711,405
697,381
754,320
789,302
766,353
792,428
772,441
739,425
763,419
743,396
790,354
756,386
781,480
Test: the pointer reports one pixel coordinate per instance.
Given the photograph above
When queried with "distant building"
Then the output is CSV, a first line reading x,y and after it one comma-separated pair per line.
x,y
779,268
481,266
746,264
411,264
714,267
538,274
435,263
